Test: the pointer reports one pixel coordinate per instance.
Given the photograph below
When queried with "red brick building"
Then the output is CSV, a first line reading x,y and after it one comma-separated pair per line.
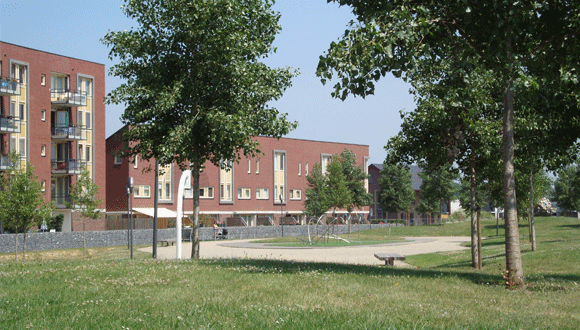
x,y
255,191
53,115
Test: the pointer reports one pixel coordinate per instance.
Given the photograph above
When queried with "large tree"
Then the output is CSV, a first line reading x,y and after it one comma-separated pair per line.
x,y
508,37
196,89
567,188
22,200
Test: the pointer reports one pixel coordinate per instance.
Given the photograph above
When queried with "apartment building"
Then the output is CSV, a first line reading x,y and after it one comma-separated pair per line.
x,y
53,115
254,191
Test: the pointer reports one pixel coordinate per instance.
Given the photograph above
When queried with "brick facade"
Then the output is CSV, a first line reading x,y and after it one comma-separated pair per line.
x,y
299,159
58,149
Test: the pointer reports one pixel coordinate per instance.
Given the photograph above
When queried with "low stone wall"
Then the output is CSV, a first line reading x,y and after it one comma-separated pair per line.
x,y
69,240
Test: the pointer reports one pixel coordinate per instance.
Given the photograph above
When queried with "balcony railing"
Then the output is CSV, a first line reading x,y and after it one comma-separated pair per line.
x,y
68,133
68,98
9,124
9,86
61,201
67,167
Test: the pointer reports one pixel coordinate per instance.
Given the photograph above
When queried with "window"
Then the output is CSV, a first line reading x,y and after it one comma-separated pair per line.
x,y
244,193
43,150
226,184
88,120
325,160
257,166
262,193
12,109
142,191
295,194
306,169
43,115
366,171
165,183
43,186
205,192
21,111
249,166
299,169
88,153
43,80
79,118
80,153
279,176
118,160
136,162
22,147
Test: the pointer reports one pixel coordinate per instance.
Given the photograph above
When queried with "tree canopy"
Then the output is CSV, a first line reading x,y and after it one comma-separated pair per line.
x,y
509,38
396,188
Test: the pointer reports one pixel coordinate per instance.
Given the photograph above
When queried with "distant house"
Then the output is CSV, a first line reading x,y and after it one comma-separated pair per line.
x,y
376,211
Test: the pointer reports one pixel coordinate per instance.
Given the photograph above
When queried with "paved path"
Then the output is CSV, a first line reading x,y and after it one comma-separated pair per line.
x,y
359,255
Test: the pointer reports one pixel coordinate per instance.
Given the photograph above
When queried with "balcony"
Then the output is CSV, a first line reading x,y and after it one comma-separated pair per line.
x,y
66,167
61,201
9,86
68,133
9,124
67,98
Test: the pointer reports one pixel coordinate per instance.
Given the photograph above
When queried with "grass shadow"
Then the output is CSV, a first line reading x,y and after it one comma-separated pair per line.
x,y
577,226
293,267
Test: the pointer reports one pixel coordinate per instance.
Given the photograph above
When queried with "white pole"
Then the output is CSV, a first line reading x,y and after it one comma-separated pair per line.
x,y
184,183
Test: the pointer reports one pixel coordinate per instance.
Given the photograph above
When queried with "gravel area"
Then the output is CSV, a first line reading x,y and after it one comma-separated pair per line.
x,y
358,255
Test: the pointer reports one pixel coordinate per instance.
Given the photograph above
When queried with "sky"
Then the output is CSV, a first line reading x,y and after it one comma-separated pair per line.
x,y
74,28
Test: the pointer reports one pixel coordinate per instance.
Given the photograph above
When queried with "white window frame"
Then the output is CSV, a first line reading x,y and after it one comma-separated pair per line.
x,y
118,160
295,194
244,193
262,193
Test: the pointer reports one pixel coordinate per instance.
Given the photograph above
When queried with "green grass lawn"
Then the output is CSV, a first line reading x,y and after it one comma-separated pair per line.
x,y
106,290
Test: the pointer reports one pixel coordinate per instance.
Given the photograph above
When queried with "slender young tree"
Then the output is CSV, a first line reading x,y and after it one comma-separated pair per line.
x,y
22,200
355,177
316,203
196,90
84,197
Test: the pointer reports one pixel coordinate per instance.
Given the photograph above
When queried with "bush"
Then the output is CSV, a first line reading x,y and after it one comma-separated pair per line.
x,y
56,222
458,216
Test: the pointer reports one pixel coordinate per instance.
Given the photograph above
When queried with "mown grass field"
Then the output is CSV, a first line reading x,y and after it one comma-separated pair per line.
x,y
106,290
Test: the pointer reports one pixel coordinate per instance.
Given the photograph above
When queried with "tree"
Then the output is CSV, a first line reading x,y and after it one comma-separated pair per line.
x,y
567,188
509,38
396,188
83,196
316,203
355,177
195,88
341,187
22,200
438,186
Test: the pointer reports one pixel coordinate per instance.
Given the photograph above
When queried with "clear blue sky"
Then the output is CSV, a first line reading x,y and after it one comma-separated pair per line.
x,y
74,28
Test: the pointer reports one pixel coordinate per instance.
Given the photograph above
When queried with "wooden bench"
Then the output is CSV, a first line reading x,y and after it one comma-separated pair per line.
x,y
165,242
389,258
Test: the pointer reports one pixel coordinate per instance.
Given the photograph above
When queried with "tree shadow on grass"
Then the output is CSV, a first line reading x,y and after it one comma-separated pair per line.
x,y
577,226
292,267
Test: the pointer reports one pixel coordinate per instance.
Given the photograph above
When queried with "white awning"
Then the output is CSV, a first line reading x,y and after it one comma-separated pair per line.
x,y
161,212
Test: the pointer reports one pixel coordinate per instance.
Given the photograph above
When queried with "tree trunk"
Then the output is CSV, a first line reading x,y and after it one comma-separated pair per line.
x,y
84,238
474,241
531,222
195,234
15,247
24,247
479,238
514,269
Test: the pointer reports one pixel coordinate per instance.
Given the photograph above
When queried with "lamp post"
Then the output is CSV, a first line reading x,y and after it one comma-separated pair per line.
x,y
130,193
281,215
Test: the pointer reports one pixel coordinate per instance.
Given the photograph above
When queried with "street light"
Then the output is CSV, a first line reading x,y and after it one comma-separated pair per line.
x,y
130,211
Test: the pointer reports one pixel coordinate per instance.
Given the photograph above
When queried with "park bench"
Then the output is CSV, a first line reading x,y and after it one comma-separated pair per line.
x,y
165,242
389,258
